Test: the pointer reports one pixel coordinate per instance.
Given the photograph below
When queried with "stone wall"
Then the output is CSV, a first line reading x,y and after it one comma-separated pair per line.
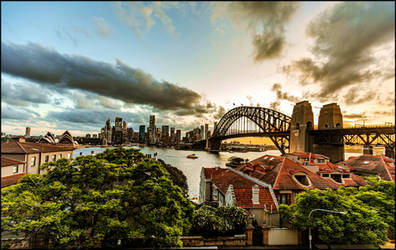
x,y
199,241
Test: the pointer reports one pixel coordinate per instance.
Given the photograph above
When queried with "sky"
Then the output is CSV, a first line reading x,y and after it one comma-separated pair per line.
x,y
72,65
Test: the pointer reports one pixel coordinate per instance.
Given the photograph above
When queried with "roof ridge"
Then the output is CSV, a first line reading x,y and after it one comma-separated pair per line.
x,y
387,170
280,169
19,145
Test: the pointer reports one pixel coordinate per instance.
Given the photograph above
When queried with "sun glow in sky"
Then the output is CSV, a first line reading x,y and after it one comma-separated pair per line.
x,y
72,65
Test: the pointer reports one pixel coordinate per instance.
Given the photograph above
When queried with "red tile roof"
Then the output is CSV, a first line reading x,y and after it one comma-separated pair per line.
x,y
308,155
242,186
16,147
9,162
278,172
372,164
11,179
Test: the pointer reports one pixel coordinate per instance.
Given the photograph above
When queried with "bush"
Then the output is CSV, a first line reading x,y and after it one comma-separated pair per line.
x,y
222,221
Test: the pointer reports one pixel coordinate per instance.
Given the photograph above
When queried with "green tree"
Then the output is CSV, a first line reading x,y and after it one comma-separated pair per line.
x,y
222,221
362,224
97,201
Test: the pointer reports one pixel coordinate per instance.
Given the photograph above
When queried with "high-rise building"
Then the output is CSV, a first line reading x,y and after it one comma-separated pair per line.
x,y
202,134
108,131
206,131
142,129
118,133
172,137
27,133
165,135
178,137
152,130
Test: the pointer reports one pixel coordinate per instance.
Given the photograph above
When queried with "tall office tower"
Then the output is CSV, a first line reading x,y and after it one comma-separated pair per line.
x,y
117,136
178,136
206,131
125,134
27,133
142,128
158,135
165,135
214,128
152,130
108,131
202,133
172,137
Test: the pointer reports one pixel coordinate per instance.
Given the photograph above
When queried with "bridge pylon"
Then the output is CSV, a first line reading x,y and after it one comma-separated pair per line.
x,y
330,117
301,122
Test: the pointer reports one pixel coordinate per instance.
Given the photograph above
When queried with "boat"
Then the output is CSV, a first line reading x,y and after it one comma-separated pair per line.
x,y
192,156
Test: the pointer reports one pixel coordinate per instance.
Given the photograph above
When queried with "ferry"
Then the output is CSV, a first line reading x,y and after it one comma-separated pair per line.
x,y
192,156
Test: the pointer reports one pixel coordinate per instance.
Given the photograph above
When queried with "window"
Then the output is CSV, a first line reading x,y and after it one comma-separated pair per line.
x,y
336,178
33,161
15,169
346,176
321,160
325,175
302,179
69,156
60,156
365,162
46,158
54,157
255,194
306,163
285,199
298,126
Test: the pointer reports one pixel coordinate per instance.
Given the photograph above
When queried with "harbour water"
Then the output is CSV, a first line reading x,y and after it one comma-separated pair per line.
x,y
191,167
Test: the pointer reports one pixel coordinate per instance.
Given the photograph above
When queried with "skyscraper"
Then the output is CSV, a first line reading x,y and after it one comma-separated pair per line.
x,y
178,137
142,129
152,130
202,133
206,131
172,137
165,135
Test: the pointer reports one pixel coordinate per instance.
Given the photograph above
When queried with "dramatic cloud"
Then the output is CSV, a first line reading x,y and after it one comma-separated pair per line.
x,y
140,16
283,95
102,27
355,116
122,82
275,105
221,111
271,16
12,113
345,41
357,96
24,94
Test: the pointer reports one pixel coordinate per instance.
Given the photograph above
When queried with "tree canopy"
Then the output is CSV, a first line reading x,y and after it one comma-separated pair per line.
x,y
116,197
369,212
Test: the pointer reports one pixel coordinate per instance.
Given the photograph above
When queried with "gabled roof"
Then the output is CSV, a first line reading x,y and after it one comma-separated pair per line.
x,y
11,179
5,161
308,155
279,171
242,187
15,147
372,164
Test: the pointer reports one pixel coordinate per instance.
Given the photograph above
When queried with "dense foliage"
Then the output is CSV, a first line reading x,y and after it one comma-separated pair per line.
x,y
116,197
221,221
369,212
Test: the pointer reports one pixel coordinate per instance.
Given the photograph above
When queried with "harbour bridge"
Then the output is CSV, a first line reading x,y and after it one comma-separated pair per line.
x,y
297,133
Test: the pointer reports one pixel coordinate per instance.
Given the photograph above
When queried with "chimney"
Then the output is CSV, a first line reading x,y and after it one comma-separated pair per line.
x,y
255,194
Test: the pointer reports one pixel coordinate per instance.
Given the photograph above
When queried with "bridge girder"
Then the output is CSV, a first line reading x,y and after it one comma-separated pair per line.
x,y
271,123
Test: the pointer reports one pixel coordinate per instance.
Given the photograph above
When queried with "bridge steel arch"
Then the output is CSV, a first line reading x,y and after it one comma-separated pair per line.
x,y
273,124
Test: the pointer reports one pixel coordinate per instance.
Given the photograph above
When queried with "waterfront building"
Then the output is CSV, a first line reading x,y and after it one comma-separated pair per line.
x,y
35,154
48,138
27,133
152,131
118,131
88,135
108,131
202,133
66,138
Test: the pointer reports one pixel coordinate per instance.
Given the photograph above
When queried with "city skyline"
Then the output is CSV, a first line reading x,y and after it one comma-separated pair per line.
x,y
73,65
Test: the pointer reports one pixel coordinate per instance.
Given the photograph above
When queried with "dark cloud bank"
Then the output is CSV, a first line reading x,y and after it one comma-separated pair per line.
x,y
273,16
344,39
48,67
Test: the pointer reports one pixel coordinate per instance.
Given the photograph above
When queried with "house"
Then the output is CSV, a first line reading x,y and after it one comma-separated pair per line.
x,y
321,165
286,177
228,187
366,165
34,154
11,171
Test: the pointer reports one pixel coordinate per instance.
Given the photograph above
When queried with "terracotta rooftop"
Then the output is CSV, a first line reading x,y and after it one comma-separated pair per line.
x,y
11,179
373,164
242,186
16,147
307,155
279,171
9,162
